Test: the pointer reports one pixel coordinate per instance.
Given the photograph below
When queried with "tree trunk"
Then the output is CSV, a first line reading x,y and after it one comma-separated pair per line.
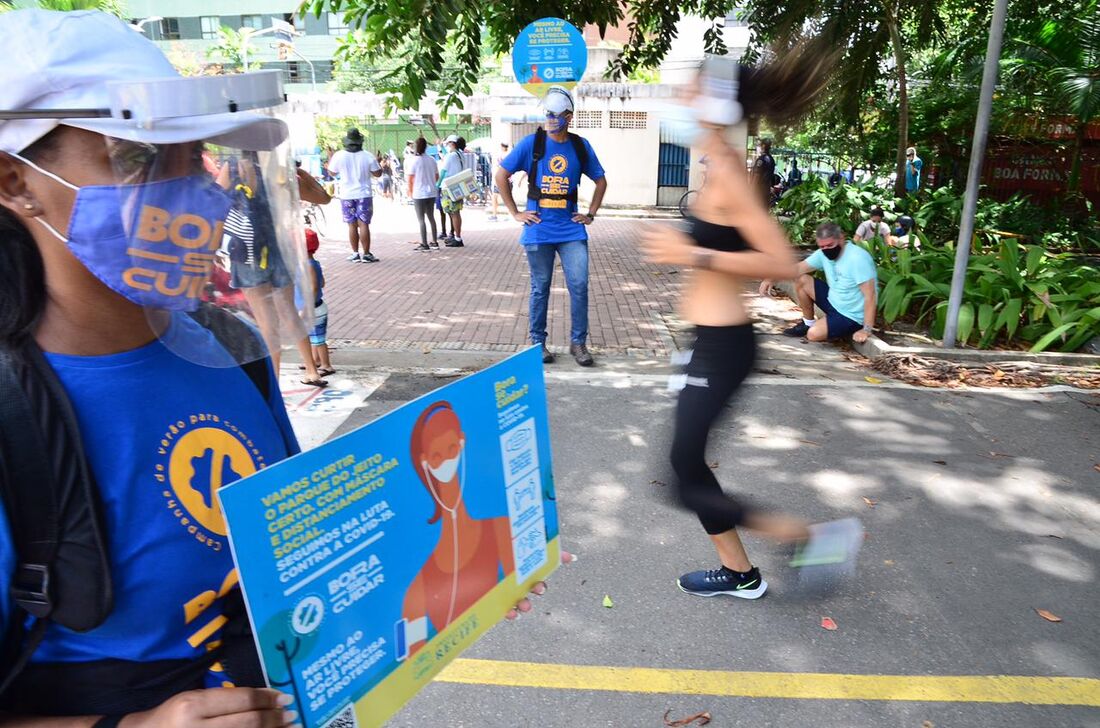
x,y
903,99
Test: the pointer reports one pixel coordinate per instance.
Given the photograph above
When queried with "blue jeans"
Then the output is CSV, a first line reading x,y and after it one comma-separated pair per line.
x,y
574,261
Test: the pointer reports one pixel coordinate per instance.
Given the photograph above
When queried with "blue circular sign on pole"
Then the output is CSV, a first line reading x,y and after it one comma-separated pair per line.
x,y
549,52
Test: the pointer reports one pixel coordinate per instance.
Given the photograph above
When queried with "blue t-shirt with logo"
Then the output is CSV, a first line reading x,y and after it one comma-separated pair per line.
x,y
162,434
844,276
559,172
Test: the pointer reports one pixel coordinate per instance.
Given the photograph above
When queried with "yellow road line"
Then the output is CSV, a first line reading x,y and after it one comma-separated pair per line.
x,y
799,685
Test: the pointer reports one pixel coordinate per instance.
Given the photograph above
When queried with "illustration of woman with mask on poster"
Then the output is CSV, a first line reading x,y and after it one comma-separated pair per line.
x,y
473,554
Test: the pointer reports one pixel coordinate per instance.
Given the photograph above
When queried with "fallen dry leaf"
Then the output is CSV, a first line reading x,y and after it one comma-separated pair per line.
x,y
1096,467
873,380
1053,535
940,462
714,465
927,724
888,562
829,624
810,442
657,482
870,503
1048,616
697,719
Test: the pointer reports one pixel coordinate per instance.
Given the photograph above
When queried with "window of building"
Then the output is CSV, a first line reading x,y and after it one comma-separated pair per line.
x,y
628,119
256,22
587,120
736,18
170,29
294,72
210,25
337,25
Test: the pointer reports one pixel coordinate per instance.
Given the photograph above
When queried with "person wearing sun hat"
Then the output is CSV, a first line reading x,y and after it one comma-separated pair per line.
x,y
354,170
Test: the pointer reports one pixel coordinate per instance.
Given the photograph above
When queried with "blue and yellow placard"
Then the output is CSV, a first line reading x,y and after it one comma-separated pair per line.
x,y
549,52
373,560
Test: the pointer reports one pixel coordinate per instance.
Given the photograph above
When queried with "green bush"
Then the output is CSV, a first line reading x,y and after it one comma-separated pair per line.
x,y
1013,293
813,202
937,213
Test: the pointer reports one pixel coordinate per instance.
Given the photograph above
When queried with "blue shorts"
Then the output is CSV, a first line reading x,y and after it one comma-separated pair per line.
x,y
320,325
361,210
837,324
273,273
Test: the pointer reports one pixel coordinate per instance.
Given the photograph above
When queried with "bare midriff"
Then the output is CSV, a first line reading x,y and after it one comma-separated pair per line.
x,y
711,298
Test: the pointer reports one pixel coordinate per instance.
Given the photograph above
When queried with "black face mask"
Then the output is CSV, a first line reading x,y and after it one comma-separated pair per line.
x,y
832,253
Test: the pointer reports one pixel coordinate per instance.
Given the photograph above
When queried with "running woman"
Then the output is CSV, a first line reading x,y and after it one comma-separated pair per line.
x,y
731,238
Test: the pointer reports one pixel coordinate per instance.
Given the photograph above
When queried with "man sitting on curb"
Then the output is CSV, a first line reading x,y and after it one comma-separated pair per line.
x,y
848,295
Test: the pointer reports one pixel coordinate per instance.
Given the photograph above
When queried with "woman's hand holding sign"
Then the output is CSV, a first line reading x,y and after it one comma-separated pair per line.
x,y
538,590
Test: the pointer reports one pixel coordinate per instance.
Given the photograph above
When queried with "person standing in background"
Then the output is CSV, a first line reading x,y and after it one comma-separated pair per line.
x,y
763,171
913,166
423,176
353,169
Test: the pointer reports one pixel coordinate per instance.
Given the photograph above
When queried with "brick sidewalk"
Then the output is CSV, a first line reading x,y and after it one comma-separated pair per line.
x,y
476,297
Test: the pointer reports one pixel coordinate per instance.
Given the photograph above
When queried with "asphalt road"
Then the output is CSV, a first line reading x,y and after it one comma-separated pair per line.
x,y
980,507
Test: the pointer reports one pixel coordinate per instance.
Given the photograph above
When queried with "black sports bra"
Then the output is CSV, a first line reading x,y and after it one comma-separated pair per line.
x,y
716,237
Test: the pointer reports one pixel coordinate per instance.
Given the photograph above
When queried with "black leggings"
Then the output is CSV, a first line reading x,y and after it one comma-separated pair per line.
x,y
722,358
424,209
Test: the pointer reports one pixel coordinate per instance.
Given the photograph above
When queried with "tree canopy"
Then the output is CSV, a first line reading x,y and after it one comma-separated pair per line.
x,y
443,46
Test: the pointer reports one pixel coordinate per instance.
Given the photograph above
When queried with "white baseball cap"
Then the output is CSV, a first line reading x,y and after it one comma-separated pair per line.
x,y
88,60
557,100
452,139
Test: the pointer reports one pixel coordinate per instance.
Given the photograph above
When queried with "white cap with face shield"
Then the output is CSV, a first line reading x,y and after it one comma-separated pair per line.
x,y
197,176
557,101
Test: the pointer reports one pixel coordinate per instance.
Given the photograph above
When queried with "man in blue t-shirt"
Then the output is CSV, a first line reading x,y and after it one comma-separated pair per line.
x,y
848,295
552,223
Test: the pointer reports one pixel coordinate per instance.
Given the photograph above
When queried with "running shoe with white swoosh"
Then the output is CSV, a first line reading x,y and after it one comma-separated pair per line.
x,y
716,582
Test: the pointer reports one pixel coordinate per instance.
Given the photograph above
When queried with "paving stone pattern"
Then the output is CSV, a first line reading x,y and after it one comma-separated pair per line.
x,y
476,298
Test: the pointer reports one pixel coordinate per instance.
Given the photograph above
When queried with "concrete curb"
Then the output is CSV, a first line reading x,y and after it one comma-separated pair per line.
x,y
651,213
875,347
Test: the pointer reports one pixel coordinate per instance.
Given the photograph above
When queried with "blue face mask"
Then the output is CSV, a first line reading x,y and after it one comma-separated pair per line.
x,y
555,123
152,243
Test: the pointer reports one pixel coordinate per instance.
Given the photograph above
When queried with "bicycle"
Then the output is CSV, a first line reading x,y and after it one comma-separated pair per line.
x,y
686,201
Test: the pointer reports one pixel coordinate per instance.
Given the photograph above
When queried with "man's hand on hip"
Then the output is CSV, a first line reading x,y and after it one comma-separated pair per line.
x,y
527,217
583,219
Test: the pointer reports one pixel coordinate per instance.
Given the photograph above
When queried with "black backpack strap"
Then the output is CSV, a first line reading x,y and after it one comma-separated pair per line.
x,y
579,149
241,341
28,491
538,151
53,509
246,347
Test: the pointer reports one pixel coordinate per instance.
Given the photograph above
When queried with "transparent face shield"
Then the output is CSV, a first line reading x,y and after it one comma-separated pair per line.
x,y
198,215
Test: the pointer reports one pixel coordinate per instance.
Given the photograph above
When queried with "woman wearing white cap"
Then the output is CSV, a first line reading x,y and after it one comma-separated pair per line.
x,y
121,397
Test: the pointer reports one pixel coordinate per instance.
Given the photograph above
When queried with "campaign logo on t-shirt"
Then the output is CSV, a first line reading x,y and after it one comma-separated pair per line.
x,y
196,457
555,183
